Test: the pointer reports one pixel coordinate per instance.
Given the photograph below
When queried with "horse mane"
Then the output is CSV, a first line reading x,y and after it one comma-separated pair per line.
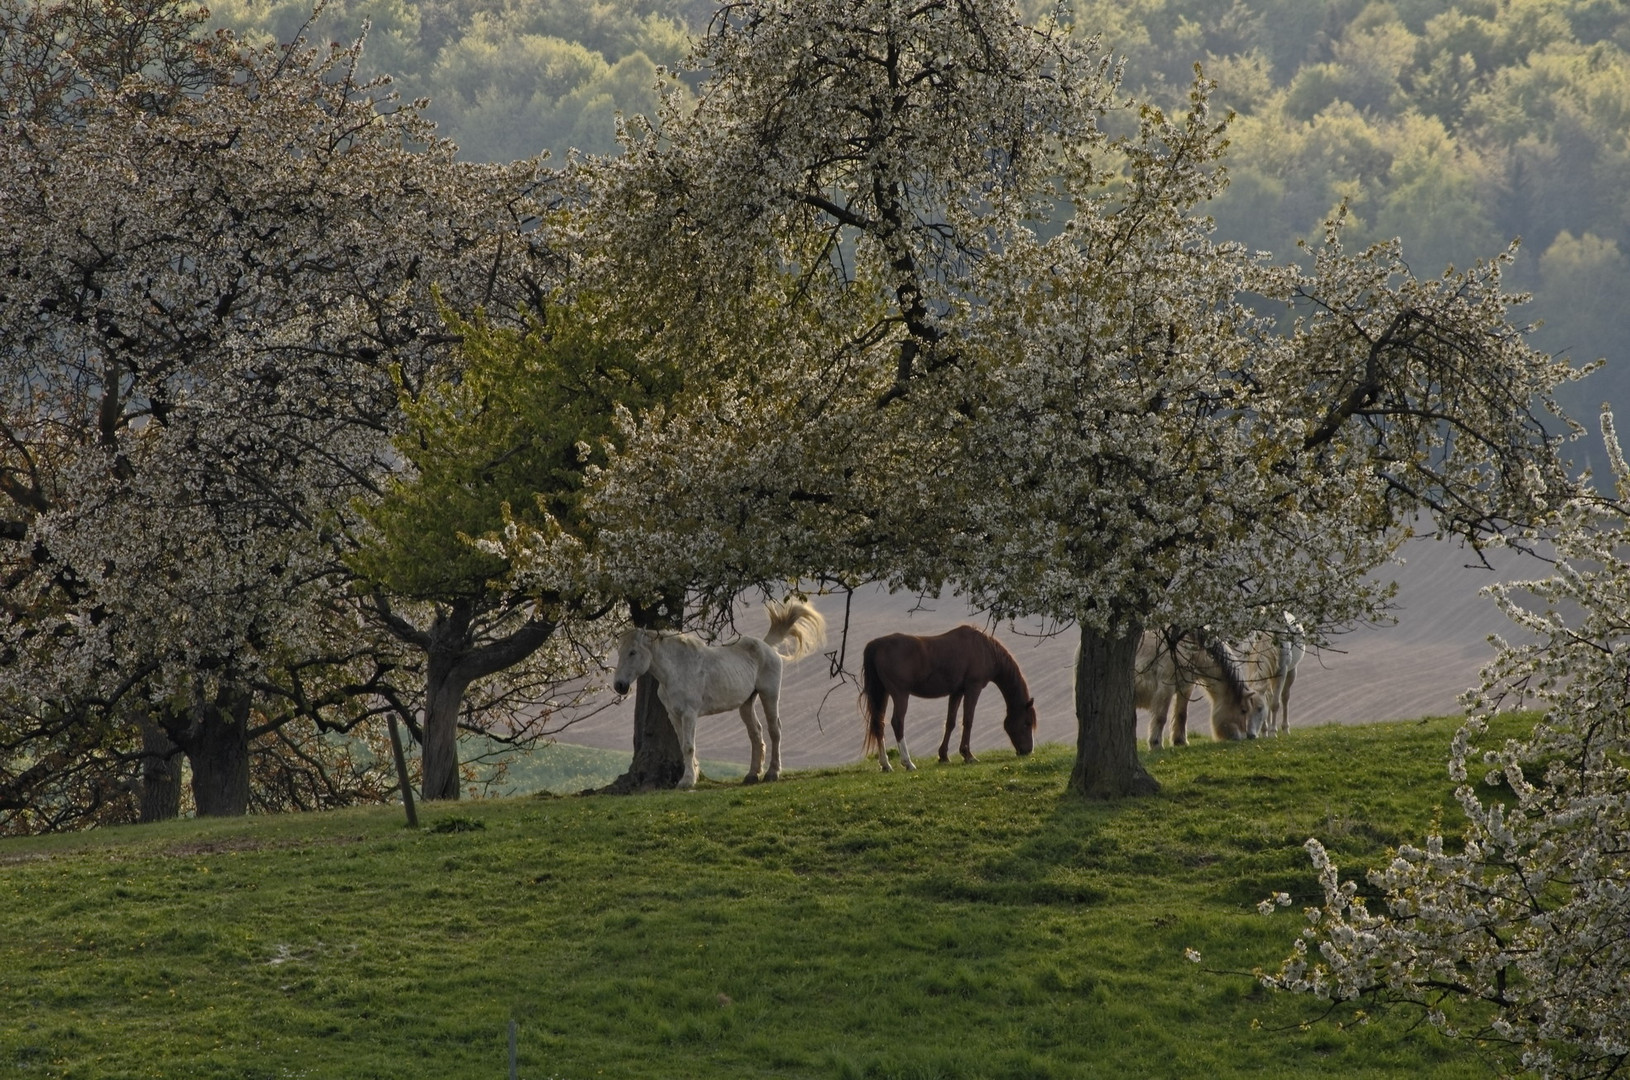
x,y
1009,679
666,635
1229,667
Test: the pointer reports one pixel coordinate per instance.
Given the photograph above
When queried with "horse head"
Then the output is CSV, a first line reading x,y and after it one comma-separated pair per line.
x,y
1243,717
633,659
1257,714
1020,725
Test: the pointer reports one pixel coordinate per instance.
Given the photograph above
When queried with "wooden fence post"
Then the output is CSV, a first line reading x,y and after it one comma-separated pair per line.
x,y
402,774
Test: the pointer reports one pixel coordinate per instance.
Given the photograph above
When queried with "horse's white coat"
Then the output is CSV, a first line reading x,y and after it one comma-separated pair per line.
x,y
1163,678
1270,662
695,679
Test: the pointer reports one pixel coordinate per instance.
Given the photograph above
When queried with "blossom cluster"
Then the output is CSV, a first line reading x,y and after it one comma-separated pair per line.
x,y
1514,931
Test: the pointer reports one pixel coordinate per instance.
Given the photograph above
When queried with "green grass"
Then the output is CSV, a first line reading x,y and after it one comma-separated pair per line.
x,y
560,768
965,921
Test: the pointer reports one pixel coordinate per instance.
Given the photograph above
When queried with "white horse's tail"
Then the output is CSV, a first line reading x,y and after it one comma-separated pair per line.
x,y
798,622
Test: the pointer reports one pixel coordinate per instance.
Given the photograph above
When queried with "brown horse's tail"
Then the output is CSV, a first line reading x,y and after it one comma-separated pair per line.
x,y
873,699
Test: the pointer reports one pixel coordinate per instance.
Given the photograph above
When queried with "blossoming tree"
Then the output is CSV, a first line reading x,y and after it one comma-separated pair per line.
x,y
214,258
977,334
1513,933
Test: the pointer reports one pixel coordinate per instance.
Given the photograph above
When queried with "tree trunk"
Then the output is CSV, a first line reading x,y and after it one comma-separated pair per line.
x,y
160,773
1106,747
444,686
444,700
454,661
217,746
657,762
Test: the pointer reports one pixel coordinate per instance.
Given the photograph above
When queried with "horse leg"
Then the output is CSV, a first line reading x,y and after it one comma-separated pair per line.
x,y
950,726
1273,692
1157,715
685,728
772,724
900,735
756,738
1284,702
968,703
1180,714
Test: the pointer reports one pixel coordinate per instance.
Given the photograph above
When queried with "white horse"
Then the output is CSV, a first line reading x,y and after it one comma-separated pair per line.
x,y
1166,673
695,679
1270,662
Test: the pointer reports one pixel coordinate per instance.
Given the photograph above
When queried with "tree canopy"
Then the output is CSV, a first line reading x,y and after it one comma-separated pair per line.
x,y
993,346
1455,124
198,374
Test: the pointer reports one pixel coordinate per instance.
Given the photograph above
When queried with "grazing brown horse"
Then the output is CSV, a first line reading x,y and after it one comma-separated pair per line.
x,y
958,664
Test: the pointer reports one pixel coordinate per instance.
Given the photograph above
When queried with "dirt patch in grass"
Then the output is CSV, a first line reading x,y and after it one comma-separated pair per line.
x,y
230,844
26,857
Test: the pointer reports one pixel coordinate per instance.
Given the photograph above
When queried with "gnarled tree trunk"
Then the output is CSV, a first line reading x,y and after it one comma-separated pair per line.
x,y
160,773
1106,746
657,761
443,700
217,747
453,662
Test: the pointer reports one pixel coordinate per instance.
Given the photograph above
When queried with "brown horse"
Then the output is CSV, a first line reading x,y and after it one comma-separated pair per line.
x,y
958,663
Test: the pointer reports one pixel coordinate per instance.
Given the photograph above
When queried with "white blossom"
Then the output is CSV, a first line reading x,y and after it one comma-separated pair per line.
x,y
1527,912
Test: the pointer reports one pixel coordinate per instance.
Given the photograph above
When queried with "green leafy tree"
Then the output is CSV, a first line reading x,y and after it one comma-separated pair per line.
x,y
499,442
1435,194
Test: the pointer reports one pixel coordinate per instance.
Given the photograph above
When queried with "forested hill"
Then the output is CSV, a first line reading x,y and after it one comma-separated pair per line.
x,y
1454,124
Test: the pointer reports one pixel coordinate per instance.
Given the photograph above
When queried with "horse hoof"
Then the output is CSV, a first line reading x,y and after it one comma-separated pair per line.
x,y
945,759
771,777
969,759
750,778
909,767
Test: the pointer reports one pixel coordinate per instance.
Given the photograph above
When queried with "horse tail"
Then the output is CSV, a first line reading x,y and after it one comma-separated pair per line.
x,y
873,699
799,622
1295,643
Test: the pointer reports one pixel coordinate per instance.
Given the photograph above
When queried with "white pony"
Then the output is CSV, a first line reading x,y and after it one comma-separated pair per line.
x,y
695,679
1270,662
1165,674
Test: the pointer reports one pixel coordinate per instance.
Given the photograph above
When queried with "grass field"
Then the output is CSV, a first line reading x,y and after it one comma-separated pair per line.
x,y
965,921
560,768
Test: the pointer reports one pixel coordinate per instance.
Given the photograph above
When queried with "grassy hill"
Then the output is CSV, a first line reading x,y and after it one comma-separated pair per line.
x,y
559,768
959,922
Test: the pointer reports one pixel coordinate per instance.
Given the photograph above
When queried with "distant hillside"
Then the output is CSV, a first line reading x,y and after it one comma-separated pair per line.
x,y
506,80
